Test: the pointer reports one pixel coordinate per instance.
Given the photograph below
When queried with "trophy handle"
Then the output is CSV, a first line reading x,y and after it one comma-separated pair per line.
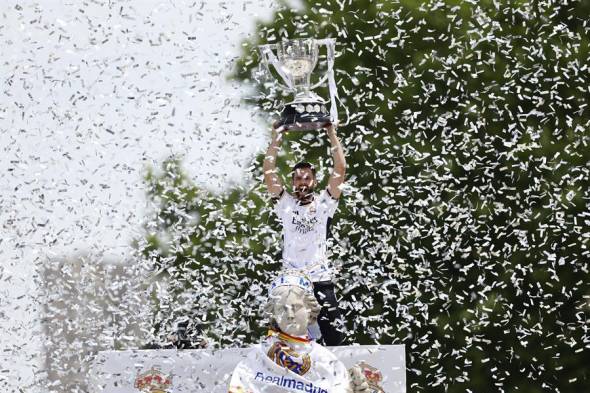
x,y
330,44
269,57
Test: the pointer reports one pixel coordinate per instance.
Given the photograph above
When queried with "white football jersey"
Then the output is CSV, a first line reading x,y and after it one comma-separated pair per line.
x,y
304,368
305,229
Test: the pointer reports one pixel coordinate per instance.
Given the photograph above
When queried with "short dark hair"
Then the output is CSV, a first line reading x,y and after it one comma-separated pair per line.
x,y
303,165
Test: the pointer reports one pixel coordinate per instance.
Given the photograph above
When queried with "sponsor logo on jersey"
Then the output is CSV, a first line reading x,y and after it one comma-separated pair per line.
x,y
305,224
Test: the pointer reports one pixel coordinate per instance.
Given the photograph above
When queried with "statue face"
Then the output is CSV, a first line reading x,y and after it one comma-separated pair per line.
x,y
290,311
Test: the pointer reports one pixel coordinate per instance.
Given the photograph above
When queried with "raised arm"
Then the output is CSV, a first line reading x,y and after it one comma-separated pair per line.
x,y
271,179
339,170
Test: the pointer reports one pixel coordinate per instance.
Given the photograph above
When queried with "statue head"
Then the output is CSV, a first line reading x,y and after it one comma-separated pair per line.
x,y
292,305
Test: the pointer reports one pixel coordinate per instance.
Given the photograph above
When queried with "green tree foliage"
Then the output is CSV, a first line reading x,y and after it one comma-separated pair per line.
x,y
463,232
210,255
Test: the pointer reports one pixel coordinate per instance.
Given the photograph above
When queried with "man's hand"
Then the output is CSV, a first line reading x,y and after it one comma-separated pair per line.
x,y
278,127
331,129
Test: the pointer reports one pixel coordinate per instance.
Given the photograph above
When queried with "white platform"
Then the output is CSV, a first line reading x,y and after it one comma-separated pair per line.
x,y
203,370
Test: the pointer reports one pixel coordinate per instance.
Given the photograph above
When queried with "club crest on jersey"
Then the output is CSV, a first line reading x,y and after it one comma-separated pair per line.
x,y
284,356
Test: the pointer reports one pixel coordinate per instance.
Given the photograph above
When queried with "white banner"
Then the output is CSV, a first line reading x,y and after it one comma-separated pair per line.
x,y
203,370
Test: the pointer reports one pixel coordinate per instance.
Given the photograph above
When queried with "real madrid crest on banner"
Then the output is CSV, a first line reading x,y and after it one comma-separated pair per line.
x,y
374,377
153,381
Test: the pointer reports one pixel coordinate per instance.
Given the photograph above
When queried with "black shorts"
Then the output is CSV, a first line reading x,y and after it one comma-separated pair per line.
x,y
329,317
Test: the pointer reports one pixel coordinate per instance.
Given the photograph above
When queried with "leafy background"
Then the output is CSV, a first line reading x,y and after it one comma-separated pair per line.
x,y
463,229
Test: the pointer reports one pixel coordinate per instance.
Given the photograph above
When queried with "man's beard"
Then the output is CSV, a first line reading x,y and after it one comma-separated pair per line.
x,y
304,194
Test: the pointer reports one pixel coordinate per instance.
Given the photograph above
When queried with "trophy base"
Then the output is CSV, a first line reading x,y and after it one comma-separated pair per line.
x,y
304,116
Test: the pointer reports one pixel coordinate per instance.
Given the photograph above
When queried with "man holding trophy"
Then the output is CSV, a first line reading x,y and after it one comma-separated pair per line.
x,y
306,215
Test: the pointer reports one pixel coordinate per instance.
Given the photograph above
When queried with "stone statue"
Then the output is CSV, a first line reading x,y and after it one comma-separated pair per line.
x,y
287,360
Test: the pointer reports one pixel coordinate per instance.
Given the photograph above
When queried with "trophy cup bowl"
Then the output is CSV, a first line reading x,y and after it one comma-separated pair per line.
x,y
295,61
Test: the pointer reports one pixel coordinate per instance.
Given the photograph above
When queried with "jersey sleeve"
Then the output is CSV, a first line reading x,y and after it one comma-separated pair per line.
x,y
281,204
327,203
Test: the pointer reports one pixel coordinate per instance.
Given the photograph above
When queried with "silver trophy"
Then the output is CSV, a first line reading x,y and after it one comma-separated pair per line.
x,y
295,61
